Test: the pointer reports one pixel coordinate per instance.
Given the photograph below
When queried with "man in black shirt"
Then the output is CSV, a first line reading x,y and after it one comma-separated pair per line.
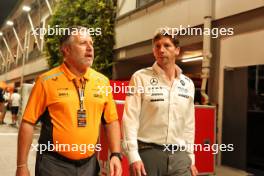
x,y
2,104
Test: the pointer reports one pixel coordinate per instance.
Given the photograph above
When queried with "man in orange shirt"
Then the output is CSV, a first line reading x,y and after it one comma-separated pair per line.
x,y
70,106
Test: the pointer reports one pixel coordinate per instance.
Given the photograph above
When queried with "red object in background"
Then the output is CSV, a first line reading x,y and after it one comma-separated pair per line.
x,y
205,133
125,163
205,125
103,156
119,89
119,93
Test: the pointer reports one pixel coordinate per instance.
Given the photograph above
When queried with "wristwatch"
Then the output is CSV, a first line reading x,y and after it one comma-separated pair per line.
x,y
119,155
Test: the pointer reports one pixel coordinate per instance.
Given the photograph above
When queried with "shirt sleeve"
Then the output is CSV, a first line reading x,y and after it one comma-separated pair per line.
x,y
36,104
110,113
12,99
131,120
189,129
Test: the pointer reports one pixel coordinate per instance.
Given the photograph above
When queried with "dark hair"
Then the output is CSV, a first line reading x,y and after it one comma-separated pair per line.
x,y
166,32
15,90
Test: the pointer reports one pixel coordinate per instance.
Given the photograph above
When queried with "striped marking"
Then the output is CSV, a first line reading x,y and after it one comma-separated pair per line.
x,y
52,76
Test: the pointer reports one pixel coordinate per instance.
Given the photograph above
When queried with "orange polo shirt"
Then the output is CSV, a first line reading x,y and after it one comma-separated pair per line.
x,y
54,100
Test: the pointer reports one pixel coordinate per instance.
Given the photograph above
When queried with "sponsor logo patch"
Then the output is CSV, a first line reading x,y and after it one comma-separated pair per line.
x,y
154,100
184,96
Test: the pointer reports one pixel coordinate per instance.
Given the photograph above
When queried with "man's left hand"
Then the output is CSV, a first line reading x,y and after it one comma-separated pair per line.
x,y
115,166
194,171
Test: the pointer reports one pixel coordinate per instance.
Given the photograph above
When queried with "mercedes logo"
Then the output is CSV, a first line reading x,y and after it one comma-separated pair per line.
x,y
154,81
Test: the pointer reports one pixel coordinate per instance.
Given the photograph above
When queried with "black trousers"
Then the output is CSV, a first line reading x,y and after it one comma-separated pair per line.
x,y
160,163
50,165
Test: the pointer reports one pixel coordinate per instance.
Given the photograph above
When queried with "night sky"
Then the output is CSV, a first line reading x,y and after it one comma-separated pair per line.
x,y
6,7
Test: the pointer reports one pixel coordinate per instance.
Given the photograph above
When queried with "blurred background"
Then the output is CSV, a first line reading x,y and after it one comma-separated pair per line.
x,y
228,70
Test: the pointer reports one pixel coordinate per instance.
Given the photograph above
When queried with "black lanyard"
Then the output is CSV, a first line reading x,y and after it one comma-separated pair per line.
x,y
80,90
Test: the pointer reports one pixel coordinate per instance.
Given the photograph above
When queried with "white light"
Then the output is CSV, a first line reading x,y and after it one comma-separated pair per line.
x,y
10,23
26,8
1,34
192,59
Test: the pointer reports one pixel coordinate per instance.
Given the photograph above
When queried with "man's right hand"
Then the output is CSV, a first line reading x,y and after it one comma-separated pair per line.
x,y
22,171
137,169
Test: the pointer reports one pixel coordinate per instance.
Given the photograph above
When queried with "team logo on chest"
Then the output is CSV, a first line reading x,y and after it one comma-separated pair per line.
x,y
154,81
182,82
182,89
63,92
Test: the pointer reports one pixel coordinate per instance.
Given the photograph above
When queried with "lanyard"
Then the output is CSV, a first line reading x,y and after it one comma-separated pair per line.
x,y
80,90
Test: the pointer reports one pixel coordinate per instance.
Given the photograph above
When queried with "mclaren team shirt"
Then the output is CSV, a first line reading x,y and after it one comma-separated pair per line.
x,y
156,112
54,100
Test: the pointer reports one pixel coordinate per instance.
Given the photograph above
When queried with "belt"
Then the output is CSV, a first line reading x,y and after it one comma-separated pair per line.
x,y
79,162
165,148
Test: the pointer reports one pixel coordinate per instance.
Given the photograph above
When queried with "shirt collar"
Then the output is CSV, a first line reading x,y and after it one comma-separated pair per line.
x,y
72,76
159,70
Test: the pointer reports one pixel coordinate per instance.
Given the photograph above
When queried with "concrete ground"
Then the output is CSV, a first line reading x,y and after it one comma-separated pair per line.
x,y
8,151
228,171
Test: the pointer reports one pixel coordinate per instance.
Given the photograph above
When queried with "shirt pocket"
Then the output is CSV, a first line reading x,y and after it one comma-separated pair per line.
x,y
181,102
